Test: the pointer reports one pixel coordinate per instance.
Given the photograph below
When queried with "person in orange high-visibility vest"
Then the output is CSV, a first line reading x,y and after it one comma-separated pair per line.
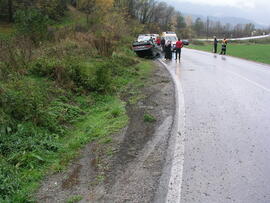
x,y
224,46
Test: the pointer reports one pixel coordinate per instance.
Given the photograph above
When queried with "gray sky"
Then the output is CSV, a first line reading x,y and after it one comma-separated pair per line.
x,y
257,10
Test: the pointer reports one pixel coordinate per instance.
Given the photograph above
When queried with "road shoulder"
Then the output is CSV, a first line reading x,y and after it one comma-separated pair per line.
x,y
129,167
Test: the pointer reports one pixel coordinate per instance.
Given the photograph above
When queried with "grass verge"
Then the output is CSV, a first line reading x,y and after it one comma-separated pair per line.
x,y
252,51
84,118
61,94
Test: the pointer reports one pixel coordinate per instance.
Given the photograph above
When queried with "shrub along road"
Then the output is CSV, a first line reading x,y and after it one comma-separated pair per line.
x,y
127,166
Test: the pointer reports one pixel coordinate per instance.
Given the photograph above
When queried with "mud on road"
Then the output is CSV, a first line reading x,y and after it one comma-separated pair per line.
x,y
129,168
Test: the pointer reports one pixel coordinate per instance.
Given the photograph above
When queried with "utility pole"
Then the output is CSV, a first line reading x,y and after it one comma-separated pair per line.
x,y
207,28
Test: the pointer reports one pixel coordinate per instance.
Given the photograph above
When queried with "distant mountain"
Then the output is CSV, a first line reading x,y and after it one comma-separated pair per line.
x,y
224,20
217,13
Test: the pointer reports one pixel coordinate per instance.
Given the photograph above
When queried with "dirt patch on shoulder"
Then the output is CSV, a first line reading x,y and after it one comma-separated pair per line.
x,y
129,168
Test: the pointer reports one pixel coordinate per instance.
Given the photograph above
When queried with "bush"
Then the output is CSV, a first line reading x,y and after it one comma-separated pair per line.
x,y
30,100
43,67
149,118
15,54
55,9
94,76
103,81
6,123
9,180
63,113
23,99
31,22
28,138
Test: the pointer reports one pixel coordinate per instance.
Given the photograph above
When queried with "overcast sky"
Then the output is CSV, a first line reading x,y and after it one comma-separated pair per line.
x,y
257,10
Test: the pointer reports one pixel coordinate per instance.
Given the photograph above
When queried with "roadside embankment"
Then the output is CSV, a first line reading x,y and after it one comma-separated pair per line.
x,y
127,166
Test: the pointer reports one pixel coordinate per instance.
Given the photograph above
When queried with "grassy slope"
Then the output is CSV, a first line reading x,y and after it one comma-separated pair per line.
x,y
105,117
255,52
102,115
72,17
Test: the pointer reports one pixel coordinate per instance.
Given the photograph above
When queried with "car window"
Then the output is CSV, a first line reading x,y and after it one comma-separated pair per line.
x,y
171,38
144,38
141,37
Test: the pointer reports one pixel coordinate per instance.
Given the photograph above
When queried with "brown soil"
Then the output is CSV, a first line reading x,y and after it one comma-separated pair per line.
x,y
129,168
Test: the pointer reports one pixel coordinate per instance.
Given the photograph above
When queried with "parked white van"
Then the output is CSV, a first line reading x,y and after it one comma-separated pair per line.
x,y
170,36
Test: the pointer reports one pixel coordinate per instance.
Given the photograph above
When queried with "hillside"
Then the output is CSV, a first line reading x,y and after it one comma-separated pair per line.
x,y
61,88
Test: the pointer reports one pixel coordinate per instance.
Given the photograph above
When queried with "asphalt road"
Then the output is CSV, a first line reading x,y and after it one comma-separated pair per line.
x,y
226,129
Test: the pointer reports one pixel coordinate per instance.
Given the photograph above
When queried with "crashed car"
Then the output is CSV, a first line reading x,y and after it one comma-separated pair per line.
x,y
145,47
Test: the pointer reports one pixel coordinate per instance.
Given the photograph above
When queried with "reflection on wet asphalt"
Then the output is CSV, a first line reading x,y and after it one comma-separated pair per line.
x,y
227,145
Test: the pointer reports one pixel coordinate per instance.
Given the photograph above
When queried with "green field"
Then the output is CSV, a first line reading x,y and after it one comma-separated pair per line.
x,y
254,52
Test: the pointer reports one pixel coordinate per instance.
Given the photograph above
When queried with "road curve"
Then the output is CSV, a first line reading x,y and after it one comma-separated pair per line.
x,y
226,131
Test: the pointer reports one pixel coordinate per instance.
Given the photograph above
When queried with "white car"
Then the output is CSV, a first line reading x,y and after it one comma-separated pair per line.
x,y
147,37
143,38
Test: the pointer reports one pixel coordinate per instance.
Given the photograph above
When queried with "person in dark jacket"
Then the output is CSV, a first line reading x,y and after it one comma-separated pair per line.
x,y
215,44
168,50
178,46
224,47
162,42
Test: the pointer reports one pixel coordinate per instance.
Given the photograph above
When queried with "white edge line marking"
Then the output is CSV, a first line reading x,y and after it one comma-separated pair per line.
x,y
248,80
238,75
176,175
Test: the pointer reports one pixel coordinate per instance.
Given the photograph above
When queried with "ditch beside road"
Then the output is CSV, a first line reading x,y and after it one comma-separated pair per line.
x,y
129,168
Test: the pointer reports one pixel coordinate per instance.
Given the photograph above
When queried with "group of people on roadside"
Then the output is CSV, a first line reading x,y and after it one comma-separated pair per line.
x,y
223,46
168,50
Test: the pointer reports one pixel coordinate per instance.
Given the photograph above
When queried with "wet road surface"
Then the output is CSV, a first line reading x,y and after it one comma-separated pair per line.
x,y
227,128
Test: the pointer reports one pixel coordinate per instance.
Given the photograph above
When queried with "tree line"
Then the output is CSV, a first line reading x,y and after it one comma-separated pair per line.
x,y
156,16
55,9
211,28
159,16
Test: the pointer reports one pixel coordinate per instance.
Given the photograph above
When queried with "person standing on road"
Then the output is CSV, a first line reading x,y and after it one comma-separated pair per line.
x,y
162,42
178,47
224,47
168,50
215,44
158,41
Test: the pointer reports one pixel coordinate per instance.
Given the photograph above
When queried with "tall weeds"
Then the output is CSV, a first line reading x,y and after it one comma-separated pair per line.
x,y
45,86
